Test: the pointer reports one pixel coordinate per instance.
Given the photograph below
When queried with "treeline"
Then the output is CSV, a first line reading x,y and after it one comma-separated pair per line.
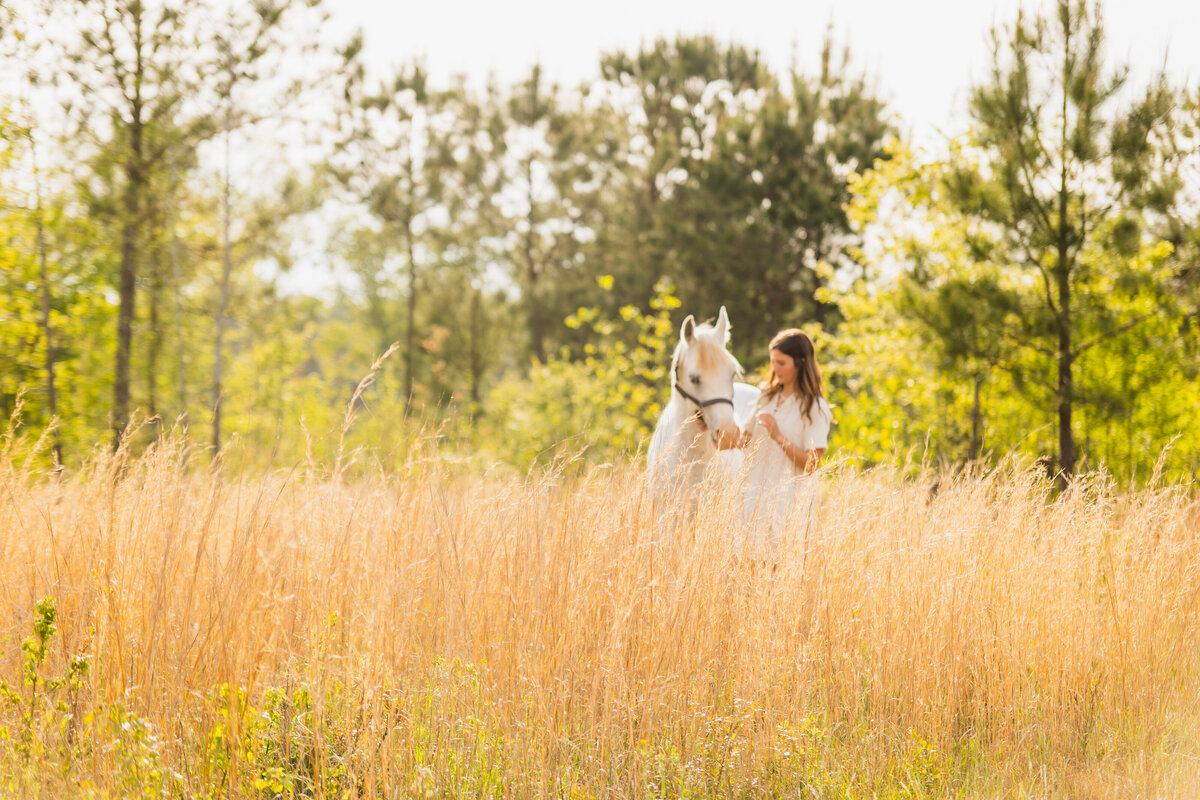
x,y
1027,287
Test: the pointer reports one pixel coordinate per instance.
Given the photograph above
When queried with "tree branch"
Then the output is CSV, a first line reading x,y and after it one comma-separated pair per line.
x,y
1026,167
1133,323
119,72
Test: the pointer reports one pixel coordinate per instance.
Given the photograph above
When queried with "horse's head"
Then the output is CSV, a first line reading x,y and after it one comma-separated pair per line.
x,y
704,372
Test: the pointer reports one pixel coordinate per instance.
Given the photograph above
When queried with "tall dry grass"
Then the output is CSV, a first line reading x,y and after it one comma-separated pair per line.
x,y
439,632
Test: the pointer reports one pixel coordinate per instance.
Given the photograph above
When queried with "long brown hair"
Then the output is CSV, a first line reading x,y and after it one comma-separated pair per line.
x,y
796,344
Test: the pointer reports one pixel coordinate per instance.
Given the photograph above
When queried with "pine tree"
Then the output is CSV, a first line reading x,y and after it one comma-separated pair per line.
x,y
1061,172
128,64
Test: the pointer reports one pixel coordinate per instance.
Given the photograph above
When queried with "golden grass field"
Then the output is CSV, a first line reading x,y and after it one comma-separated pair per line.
x,y
442,631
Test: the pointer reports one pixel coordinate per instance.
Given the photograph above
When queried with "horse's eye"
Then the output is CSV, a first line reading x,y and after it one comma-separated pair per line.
x,y
695,380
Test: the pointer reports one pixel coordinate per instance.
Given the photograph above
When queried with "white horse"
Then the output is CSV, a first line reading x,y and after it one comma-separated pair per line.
x,y
704,386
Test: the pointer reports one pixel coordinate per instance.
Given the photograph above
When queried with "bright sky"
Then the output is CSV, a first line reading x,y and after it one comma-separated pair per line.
x,y
924,53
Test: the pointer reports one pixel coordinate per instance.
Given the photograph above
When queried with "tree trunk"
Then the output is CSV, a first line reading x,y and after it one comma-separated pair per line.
x,y
1066,437
410,329
223,303
976,422
155,344
537,329
537,325
475,332
127,283
177,292
47,330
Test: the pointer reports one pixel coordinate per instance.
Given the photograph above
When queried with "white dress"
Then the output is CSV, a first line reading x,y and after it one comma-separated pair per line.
x,y
775,489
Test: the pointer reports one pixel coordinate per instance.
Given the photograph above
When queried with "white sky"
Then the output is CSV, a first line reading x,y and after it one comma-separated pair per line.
x,y
923,53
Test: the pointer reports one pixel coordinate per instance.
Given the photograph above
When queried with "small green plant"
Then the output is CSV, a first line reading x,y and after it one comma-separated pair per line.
x,y
37,695
36,649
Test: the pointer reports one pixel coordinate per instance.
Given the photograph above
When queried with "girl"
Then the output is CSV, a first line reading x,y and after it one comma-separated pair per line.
x,y
787,436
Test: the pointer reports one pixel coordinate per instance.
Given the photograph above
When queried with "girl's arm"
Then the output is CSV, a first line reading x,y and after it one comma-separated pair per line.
x,y
807,460
804,461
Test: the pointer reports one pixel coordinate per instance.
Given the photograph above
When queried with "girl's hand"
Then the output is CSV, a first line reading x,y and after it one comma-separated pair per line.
x,y
768,422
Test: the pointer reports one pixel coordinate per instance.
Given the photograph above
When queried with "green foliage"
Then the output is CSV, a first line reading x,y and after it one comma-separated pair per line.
x,y
1061,184
553,158
287,746
604,405
272,750
943,352
737,180
761,223
45,703
1033,287
79,312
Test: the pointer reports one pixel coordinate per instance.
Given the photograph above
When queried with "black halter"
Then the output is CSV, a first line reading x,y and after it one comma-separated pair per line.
x,y
703,404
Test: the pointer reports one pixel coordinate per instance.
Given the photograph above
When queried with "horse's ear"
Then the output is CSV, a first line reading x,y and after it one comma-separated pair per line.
x,y
723,327
688,331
